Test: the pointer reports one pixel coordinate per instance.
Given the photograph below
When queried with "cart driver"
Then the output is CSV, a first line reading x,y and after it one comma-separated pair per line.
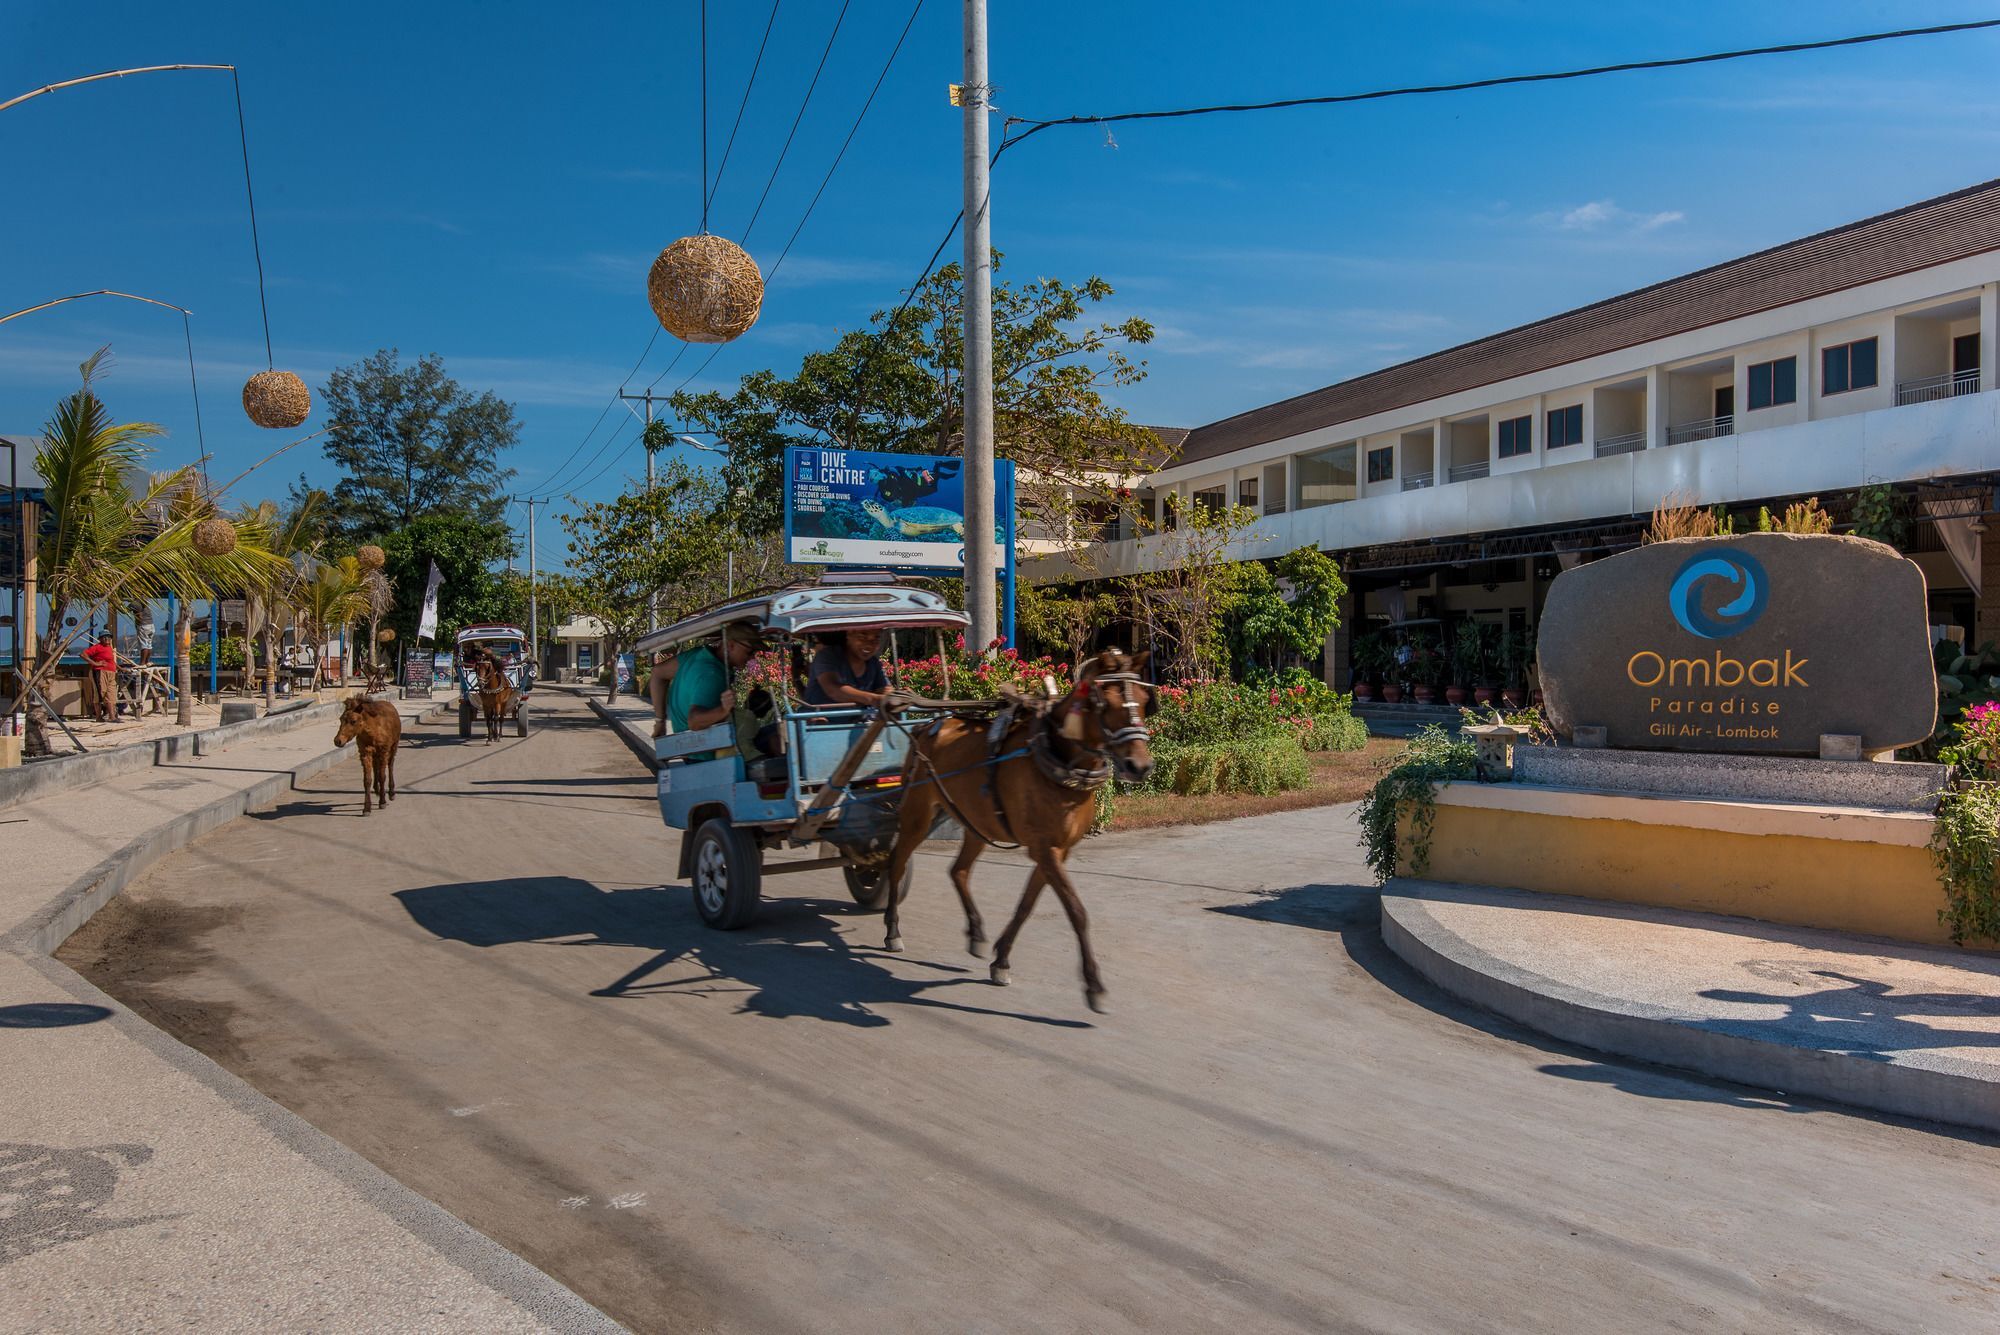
x,y
848,671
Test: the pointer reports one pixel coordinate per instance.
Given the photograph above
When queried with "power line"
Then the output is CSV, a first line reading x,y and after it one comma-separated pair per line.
x,y
1037,126
744,105
1501,81
609,404
851,132
803,104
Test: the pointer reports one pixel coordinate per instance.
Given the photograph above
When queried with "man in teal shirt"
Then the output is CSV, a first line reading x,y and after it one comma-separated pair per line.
x,y
698,694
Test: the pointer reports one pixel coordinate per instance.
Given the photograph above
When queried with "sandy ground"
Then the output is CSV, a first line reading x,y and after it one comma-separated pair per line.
x,y
498,991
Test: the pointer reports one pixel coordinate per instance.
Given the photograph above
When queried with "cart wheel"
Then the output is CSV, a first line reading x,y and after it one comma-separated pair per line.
x,y
465,718
728,873
521,721
866,884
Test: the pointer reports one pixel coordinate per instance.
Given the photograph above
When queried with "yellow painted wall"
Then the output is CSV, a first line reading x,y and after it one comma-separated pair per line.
x,y
1841,884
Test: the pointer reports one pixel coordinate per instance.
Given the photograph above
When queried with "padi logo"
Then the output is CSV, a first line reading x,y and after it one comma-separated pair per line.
x,y
1742,571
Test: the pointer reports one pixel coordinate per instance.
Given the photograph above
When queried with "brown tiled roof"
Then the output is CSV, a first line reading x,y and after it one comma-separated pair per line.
x,y
1936,231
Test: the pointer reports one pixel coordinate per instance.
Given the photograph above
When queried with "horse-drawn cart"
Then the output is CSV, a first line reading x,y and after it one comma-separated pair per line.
x,y
507,648
783,774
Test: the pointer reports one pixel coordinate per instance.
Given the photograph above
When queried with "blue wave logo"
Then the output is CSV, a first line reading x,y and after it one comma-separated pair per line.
x,y
1743,572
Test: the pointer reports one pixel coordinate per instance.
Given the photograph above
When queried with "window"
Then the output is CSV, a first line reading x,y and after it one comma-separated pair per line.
x,y
1849,366
1274,487
1212,499
1773,384
1246,492
1566,426
1170,511
1326,477
1382,464
1517,435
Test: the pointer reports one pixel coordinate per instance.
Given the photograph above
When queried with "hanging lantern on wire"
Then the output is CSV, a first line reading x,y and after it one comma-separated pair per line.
x,y
215,536
705,289
370,557
276,399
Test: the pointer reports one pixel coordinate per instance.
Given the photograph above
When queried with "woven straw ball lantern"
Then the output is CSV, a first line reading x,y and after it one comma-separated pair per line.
x,y
370,557
386,635
276,399
705,289
215,536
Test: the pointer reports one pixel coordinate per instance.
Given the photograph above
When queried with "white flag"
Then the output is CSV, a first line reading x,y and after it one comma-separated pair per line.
x,y
427,624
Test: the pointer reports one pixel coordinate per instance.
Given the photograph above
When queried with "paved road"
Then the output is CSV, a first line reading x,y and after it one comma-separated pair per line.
x,y
783,1129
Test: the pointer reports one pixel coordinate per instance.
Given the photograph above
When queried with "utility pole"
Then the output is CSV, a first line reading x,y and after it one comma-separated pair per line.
x,y
534,608
974,97
646,439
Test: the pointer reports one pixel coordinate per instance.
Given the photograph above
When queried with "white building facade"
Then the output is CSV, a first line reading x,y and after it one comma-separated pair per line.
x,y
1457,485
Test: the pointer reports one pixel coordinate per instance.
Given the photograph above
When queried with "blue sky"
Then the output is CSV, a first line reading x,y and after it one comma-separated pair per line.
x,y
490,183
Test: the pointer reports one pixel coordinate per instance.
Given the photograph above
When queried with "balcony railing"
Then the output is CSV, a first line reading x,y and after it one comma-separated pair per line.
x,y
1706,429
1416,481
1932,388
1628,443
1467,472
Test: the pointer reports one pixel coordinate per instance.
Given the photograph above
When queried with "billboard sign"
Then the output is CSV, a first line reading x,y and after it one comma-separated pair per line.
x,y
850,507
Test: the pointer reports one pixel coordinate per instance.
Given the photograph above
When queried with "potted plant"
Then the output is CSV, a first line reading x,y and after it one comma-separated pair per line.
x,y
1364,654
1488,685
1395,669
1468,659
1516,647
1426,668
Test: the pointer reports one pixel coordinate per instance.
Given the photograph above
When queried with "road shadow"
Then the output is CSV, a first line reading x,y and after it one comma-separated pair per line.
x,y
792,963
1353,913
50,1015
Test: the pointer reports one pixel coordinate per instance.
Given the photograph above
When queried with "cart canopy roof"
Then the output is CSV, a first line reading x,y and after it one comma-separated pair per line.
x,y
837,602
492,632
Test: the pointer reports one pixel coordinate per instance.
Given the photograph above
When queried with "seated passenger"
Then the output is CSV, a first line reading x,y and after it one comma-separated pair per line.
x,y
848,671
698,694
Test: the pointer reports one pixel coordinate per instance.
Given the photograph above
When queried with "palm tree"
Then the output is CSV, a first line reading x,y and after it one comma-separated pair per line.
x,y
332,598
116,533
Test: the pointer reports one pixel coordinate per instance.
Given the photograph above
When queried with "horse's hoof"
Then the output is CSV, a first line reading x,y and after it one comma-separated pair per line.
x,y
1095,1000
1000,975
894,945
977,946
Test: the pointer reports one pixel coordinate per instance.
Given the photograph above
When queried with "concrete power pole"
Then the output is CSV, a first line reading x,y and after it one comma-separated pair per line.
x,y
652,598
976,94
534,607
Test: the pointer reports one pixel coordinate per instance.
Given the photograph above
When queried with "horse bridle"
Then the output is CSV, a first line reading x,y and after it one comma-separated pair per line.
x,y
1134,728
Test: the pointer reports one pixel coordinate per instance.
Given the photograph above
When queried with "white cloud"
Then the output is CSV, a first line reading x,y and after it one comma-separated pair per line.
x,y
1604,215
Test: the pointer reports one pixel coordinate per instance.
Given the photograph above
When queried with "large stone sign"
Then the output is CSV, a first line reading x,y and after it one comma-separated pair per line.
x,y
1756,643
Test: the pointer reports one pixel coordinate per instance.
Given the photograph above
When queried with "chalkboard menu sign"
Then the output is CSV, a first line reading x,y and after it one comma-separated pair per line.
x,y
417,672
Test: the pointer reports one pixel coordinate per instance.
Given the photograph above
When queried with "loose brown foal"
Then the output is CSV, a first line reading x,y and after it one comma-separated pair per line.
x,y
1042,799
379,728
495,695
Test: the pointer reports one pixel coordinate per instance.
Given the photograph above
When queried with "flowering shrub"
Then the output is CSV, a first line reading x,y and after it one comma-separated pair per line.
x,y
974,676
1976,747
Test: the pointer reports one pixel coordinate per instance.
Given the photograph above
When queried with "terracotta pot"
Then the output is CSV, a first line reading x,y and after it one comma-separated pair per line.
x,y
1392,695
1364,690
1426,694
1482,695
1454,695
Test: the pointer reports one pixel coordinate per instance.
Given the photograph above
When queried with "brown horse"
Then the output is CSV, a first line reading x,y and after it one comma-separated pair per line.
x,y
379,729
1034,786
496,697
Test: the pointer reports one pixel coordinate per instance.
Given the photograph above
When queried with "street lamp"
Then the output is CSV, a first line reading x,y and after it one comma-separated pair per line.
x,y
737,493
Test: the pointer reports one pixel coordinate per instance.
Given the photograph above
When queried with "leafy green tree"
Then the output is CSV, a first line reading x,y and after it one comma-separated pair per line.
x,y
1186,601
664,545
896,387
410,441
469,553
1289,607
1067,618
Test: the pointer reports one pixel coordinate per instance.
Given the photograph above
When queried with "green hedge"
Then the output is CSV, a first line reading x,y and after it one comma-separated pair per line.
x,y
1262,765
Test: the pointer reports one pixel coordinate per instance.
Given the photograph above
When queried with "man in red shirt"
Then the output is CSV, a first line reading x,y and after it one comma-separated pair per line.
x,y
102,660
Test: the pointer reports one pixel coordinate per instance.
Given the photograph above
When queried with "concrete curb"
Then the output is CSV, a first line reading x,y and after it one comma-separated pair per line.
x,y
43,777
639,746
35,939
1653,1034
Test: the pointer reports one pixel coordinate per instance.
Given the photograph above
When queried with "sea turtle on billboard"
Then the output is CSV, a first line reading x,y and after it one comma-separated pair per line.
x,y
917,521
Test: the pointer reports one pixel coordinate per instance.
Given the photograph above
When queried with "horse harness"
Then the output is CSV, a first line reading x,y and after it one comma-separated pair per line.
x,y
1071,774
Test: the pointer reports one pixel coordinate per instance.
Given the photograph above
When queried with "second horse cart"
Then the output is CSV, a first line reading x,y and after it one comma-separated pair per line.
x,y
507,646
